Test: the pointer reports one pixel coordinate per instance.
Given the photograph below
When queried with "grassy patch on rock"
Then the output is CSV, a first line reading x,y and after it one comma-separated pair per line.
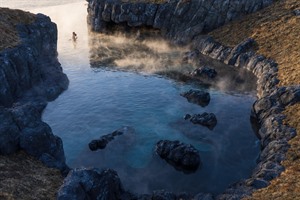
x,y
23,177
276,30
9,19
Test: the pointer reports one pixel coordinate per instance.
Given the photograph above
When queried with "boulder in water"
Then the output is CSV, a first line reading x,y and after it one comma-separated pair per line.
x,y
205,119
105,139
184,157
199,97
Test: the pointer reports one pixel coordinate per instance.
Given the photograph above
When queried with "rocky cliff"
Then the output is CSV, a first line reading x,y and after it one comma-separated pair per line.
x,y
180,20
30,75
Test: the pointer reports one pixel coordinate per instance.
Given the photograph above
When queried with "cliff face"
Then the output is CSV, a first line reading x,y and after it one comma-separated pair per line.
x,y
30,75
180,20
32,63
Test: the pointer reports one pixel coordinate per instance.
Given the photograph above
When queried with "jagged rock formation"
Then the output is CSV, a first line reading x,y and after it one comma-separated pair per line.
x,y
180,20
91,183
30,75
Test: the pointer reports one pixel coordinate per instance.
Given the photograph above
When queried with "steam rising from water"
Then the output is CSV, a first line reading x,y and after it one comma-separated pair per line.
x,y
154,55
133,53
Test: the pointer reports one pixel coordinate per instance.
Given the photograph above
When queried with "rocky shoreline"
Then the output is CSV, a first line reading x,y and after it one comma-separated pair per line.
x,y
30,76
42,80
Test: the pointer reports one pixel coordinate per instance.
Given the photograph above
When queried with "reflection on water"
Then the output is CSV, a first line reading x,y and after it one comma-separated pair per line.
x,y
103,100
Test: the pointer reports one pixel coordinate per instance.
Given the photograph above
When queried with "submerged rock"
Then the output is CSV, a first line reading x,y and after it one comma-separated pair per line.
x,y
197,96
205,119
204,72
182,156
105,139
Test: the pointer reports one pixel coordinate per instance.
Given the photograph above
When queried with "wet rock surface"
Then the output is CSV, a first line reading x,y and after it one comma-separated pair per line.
x,y
182,156
105,139
205,119
199,97
31,75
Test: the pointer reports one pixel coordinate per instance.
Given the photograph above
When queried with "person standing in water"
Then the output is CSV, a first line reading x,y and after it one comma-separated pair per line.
x,y
74,36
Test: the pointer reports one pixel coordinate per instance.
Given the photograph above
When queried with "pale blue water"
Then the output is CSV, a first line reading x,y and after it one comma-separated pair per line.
x,y
102,100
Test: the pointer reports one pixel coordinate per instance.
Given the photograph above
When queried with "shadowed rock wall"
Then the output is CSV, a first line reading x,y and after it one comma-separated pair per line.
x,y
30,75
180,20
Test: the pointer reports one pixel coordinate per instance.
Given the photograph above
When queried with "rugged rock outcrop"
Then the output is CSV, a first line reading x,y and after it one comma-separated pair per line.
x,y
182,156
180,20
30,75
91,183
199,97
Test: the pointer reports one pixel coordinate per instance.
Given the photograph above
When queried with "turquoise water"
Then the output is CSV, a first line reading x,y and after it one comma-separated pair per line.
x,y
101,100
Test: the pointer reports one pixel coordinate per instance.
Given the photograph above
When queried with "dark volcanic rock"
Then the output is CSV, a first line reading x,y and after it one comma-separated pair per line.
x,y
197,96
177,19
182,156
105,139
9,133
91,184
40,142
204,72
30,75
205,119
